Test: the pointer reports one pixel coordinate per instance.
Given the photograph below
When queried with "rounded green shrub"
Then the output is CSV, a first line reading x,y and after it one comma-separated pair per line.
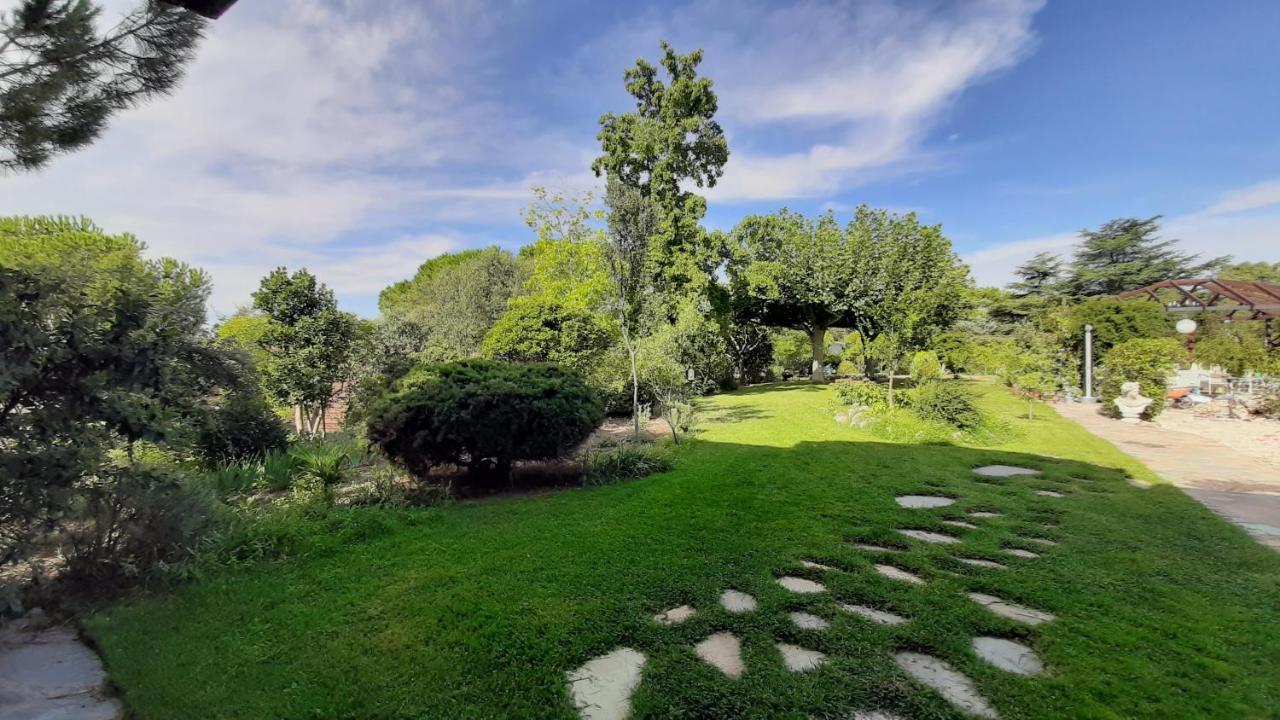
x,y
926,367
948,403
483,415
1147,362
861,393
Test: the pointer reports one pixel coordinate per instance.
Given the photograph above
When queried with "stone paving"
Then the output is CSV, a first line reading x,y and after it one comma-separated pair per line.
x,y
48,674
602,687
1240,488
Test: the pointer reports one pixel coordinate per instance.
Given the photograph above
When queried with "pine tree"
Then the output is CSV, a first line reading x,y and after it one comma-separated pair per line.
x,y
1126,254
61,79
1039,277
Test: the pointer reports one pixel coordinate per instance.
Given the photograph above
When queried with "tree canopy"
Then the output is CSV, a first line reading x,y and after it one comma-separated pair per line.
x,y
1127,253
61,80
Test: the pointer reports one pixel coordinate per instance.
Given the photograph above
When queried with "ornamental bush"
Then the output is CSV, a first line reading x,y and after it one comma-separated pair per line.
x,y
861,393
948,403
1147,362
483,415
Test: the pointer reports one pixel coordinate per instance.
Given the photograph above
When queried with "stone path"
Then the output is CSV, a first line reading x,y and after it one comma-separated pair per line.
x,y
1242,489
602,687
48,674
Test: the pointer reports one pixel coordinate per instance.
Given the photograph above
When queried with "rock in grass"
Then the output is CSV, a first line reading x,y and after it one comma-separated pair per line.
x,y
1008,655
601,689
950,684
737,602
1012,611
722,651
798,659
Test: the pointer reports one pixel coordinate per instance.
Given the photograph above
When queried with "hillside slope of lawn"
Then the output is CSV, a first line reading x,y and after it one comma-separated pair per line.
x,y
477,610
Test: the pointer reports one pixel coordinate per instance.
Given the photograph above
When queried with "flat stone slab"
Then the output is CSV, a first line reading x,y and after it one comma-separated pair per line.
x,y
876,548
1012,611
930,537
960,524
805,621
1008,655
1140,484
801,585
883,617
49,674
874,715
1049,493
1039,541
722,651
817,566
675,615
950,684
979,562
924,501
798,659
1004,471
1019,552
985,514
897,573
601,689
737,602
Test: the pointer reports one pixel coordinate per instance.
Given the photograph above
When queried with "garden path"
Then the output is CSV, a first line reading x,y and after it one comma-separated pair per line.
x,y
1240,488
46,673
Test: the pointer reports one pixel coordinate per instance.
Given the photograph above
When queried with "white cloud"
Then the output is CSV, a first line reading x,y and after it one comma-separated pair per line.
x,y
1243,223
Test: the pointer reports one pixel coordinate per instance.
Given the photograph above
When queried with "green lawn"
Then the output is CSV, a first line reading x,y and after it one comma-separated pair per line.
x,y
477,610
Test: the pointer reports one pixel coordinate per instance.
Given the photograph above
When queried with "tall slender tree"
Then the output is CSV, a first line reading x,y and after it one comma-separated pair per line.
x,y
632,221
1038,277
670,140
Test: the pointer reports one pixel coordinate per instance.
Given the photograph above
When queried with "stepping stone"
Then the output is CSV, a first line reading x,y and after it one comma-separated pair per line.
x,y
876,548
675,615
924,501
1049,493
1039,541
1004,471
723,652
801,585
985,514
930,537
978,562
737,602
816,566
798,659
951,685
1011,611
960,524
882,617
895,573
1008,655
1019,552
1140,484
874,715
805,621
601,689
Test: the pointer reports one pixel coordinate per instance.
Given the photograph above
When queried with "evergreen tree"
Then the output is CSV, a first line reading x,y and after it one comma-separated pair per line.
x,y
61,79
1127,253
1256,271
671,138
1038,277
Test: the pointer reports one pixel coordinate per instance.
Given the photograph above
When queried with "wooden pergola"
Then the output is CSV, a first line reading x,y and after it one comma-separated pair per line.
x,y
1255,300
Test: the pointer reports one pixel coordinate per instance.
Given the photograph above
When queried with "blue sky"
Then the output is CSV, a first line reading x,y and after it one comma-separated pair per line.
x,y
361,138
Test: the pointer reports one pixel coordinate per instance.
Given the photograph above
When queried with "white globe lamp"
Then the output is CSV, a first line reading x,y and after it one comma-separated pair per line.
x,y
1186,326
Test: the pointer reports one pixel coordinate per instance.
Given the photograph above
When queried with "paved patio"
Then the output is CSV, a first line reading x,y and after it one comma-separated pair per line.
x,y
1240,488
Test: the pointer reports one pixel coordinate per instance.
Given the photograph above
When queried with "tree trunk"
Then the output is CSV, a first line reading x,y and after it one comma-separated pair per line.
x,y
818,333
297,419
635,382
891,387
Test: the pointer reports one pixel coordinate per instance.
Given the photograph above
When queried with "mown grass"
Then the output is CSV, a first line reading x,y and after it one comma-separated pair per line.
x,y
476,610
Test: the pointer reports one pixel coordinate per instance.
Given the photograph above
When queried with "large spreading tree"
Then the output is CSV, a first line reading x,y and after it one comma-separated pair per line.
x,y
61,78
1128,253
883,275
669,141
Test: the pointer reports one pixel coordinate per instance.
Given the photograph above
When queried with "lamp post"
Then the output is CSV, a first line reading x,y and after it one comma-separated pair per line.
x,y
1187,327
1088,364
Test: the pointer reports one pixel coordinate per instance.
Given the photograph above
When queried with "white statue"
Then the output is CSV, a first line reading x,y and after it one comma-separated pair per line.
x,y
1130,404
